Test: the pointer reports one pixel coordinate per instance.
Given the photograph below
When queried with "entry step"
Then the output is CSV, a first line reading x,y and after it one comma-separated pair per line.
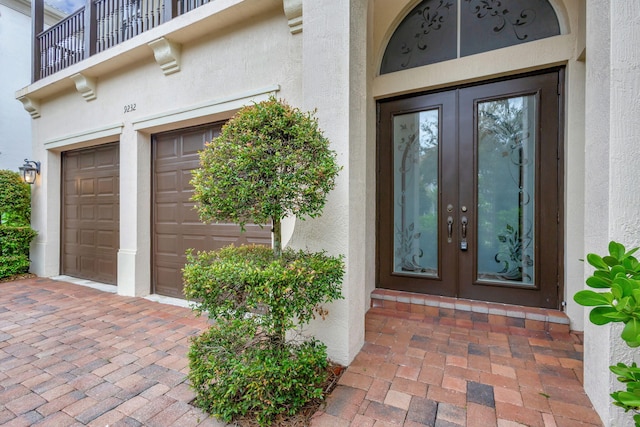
x,y
498,317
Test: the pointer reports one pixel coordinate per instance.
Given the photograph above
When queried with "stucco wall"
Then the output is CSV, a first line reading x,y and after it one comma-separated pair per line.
x,y
229,67
15,69
612,135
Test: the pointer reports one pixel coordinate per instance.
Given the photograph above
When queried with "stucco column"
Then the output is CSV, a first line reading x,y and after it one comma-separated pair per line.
x,y
334,83
45,212
612,136
134,277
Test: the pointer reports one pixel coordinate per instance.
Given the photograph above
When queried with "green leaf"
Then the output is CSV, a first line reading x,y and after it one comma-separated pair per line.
x,y
598,282
596,261
590,298
616,249
630,400
618,270
610,261
631,331
616,290
598,315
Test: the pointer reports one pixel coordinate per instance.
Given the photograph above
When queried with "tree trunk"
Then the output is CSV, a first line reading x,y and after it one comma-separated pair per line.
x,y
277,238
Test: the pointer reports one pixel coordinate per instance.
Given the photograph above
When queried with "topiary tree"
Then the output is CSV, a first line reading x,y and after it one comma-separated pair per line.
x,y
270,161
15,230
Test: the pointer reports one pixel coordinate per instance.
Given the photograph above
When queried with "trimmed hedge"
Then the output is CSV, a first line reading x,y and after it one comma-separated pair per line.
x,y
15,232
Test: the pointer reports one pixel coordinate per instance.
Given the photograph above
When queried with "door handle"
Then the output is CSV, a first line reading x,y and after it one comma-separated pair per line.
x,y
464,222
463,242
450,229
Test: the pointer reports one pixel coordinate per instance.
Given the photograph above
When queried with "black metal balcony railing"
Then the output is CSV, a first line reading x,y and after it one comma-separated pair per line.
x,y
99,25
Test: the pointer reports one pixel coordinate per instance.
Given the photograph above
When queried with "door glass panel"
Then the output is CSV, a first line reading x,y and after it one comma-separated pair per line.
x,y
415,192
506,186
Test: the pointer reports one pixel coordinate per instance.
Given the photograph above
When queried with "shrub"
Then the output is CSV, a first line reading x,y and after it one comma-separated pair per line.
x,y
15,199
15,232
618,275
234,281
270,161
236,372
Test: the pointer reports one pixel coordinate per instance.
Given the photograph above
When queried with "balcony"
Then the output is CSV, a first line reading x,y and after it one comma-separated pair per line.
x,y
96,27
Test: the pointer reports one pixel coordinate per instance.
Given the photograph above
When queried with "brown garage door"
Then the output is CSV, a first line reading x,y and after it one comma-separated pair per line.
x,y
90,213
176,225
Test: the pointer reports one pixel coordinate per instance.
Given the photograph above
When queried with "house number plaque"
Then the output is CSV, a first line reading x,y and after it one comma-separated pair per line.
x,y
129,108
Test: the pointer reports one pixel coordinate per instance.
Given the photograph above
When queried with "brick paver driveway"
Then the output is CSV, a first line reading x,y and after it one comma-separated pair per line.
x,y
72,355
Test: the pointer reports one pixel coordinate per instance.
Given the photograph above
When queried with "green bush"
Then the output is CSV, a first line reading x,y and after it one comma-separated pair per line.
x,y
270,161
285,291
237,372
15,232
15,199
618,276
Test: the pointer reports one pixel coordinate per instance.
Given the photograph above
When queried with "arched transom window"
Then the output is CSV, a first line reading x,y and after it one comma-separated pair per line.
x,y
439,30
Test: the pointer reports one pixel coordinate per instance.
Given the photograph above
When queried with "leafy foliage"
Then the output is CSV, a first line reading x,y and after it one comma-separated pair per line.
x,y
270,161
619,274
15,199
235,281
236,373
15,232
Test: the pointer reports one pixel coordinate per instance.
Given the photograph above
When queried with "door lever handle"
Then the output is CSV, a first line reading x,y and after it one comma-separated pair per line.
x,y
463,241
464,222
449,229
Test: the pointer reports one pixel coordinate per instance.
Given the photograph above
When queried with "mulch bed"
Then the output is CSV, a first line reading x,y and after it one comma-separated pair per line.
x,y
17,277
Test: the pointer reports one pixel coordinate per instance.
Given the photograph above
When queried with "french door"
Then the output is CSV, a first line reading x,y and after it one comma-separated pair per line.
x,y
469,189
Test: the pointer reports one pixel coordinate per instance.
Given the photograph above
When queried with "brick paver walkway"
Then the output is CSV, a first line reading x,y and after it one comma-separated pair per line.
x,y
74,356
418,369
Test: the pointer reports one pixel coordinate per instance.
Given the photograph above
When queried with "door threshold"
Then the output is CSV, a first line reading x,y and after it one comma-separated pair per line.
x,y
491,316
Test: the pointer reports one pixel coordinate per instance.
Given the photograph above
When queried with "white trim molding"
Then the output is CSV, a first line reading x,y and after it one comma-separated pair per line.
x,y
293,12
167,55
216,106
86,138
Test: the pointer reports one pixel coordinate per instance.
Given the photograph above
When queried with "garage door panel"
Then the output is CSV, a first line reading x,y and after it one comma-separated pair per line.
x,y
90,206
106,212
87,187
86,161
166,212
106,186
176,225
192,144
167,181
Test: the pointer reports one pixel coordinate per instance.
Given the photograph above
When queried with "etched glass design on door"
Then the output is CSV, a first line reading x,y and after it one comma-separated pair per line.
x,y
506,190
415,191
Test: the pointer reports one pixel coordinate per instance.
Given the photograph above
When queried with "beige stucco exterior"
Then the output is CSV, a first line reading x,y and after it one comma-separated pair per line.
x,y
202,66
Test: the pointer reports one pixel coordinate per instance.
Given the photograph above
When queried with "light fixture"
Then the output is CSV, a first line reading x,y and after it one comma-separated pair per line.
x,y
29,171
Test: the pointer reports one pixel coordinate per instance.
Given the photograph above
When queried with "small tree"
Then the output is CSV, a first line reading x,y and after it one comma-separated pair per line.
x,y
15,230
270,161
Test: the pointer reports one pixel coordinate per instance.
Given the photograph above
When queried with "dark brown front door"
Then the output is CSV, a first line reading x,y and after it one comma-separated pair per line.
x,y
176,225
90,213
469,188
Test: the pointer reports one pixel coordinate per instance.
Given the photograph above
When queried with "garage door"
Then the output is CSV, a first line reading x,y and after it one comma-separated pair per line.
x,y
176,225
90,213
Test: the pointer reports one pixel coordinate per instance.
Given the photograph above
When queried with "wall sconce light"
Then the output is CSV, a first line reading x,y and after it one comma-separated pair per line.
x,y
29,171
